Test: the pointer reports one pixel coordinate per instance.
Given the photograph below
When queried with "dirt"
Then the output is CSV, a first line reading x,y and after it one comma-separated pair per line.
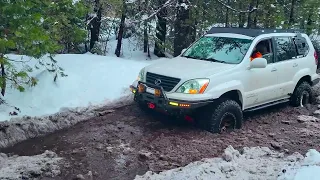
x,y
128,142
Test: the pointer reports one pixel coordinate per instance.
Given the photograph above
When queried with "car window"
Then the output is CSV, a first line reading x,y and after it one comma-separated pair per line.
x,y
265,48
285,49
301,45
219,49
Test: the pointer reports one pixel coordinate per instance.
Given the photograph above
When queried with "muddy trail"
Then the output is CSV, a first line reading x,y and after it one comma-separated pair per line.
x,y
128,142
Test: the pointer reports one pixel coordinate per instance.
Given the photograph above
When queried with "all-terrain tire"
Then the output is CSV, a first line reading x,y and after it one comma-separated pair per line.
x,y
211,116
303,94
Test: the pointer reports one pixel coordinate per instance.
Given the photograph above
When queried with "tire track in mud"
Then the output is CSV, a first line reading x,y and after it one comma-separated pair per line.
x,y
128,142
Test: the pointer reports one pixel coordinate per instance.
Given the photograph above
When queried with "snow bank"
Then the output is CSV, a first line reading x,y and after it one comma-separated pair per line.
x,y
251,163
91,80
20,129
307,169
29,167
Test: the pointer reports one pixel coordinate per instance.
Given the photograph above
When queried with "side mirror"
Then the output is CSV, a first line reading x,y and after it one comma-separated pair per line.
x,y
258,63
183,50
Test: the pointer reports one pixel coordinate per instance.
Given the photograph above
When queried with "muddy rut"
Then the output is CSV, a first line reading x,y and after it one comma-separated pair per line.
x,y
128,142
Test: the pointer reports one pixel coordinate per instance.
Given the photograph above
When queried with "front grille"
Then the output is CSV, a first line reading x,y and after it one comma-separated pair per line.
x,y
167,83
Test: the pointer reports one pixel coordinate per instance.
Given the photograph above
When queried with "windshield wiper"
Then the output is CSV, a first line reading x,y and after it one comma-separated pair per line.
x,y
213,60
206,59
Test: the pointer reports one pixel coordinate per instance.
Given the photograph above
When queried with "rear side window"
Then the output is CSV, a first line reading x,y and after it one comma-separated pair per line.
x,y
301,45
285,49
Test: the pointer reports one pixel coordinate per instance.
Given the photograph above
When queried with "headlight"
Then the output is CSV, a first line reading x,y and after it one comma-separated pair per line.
x,y
141,75
194,86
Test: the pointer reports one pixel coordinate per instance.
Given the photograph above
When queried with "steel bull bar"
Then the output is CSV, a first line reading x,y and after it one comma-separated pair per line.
x,y
154,96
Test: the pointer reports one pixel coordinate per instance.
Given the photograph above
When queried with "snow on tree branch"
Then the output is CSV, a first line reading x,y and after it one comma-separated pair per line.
x,y
92,17
145,18
235,10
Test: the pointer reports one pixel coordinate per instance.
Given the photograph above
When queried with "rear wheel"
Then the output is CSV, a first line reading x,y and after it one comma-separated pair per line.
x,y
302,95
222,116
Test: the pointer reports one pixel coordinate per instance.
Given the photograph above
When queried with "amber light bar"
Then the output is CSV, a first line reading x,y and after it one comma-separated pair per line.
x,y
180,105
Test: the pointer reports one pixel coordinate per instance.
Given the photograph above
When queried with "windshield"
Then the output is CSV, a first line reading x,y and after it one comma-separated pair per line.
x,y
219,49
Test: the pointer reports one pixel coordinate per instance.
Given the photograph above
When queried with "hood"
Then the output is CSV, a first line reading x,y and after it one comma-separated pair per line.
x,y
187,68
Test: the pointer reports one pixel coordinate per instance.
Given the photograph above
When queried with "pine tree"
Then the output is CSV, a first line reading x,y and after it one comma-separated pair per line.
x,y
35,28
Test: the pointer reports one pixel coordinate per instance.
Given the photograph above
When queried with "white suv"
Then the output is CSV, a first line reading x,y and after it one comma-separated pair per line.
x,y
215,79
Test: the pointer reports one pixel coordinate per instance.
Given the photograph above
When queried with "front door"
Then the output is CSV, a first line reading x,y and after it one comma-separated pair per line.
x,y
262,85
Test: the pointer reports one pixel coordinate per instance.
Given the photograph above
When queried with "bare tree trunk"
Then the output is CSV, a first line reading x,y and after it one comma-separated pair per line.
x,y
227,15
255,21
291,18
121,30
309,24
249,25
182,29
149,55
95,24
145,37
3,76
241,17
161,31
145,29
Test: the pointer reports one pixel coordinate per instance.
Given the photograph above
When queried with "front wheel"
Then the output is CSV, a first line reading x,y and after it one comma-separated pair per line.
x,y
224,115
302,95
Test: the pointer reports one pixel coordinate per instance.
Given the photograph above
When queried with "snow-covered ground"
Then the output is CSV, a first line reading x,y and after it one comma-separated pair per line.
x,y
252,163
29,167
91,80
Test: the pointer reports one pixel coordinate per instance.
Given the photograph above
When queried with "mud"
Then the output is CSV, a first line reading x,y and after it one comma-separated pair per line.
x,y
128,142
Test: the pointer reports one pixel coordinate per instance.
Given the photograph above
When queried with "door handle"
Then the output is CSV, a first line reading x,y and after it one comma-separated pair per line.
x,y
295,65
273,69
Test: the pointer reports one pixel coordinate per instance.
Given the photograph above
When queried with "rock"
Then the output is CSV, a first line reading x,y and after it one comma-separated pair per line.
x,y
99,147
144,154
271,134
103,113
162,157
304,118
276,145
126,151
90,174
80,176
285,122
318,106
109,149
317,112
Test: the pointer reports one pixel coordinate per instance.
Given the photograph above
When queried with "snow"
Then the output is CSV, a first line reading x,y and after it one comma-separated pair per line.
x,y
308,168
91,79
252,163
29,167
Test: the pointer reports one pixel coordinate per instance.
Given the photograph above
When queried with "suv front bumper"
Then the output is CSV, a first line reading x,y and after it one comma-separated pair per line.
x,y
155,97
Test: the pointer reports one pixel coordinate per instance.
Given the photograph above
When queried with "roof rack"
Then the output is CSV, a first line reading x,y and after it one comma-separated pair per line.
x,y
251,32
